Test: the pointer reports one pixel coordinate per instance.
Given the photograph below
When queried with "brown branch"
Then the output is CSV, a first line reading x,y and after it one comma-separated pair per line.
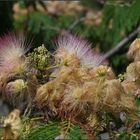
x,y
121,44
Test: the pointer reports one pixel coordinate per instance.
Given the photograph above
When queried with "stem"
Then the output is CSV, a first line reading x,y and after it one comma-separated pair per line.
x,y
55,66
54,28
68,127
27,110
121,44
37,118
75,23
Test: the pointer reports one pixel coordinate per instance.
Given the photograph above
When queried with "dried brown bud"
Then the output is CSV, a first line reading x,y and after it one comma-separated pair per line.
x,y
102,72
114,90
134,50
12,126
43,93
133,72
127,103
137,93
129,87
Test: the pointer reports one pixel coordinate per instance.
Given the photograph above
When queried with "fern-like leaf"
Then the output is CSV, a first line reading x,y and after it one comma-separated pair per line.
x,y
44,132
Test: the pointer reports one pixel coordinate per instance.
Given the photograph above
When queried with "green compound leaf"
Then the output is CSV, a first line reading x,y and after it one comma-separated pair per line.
x,y
76,133
137,102
44,132
54,130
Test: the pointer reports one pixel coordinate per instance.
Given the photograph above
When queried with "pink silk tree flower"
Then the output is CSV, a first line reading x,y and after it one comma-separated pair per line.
x,y
73,51
12,51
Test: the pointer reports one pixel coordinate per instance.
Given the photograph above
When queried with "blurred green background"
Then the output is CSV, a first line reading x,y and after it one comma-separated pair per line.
x,y
104,23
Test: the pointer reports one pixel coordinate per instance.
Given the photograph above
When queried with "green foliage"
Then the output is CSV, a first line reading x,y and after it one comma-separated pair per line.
x,y
72,131
124,19
138,102
53,130
76,133
127,136
1,131
121,61
44,132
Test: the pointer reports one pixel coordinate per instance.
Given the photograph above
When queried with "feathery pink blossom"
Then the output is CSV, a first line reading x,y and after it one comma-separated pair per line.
x,y
12,50
82,49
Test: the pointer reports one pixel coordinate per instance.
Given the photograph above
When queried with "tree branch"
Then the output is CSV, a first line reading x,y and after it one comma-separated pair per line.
x,y
121,44
76,22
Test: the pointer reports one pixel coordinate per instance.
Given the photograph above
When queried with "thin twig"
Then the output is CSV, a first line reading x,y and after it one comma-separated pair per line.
x,y
54,28
121,44
76,22
27,110
37,118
